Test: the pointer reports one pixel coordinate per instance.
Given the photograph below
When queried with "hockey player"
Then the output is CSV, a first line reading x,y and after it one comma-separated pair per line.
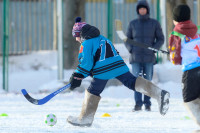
x,y
98,58
184,47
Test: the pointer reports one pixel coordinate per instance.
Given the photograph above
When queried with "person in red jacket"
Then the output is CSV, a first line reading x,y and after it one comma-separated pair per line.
x,y
184,47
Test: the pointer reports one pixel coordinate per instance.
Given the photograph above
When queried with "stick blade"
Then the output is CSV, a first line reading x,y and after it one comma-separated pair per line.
x,y
29,98
120,33
45,99
118,25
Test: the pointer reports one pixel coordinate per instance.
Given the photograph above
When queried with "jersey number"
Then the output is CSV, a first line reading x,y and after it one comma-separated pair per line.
x,y
107,50
197,47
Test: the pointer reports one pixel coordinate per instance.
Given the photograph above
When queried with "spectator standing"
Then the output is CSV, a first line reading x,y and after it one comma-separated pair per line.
x,y
145,30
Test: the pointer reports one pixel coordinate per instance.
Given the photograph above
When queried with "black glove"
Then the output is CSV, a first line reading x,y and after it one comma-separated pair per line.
x,y
75,80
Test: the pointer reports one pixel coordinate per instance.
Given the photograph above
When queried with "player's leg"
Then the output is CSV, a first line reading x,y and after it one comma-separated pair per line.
x,y
148,88
191,92
90,104
193,108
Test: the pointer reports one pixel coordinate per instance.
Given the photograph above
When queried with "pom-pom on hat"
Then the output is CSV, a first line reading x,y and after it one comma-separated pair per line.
x,y
181,13
77,27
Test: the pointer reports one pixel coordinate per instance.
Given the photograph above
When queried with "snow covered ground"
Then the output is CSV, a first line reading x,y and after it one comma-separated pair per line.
x,y
37,73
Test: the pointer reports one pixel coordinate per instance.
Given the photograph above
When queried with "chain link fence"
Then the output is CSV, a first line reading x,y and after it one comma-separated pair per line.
x,y
33,22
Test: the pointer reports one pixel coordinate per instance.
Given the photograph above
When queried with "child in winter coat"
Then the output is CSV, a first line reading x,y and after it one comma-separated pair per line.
x,y
184,47
98,58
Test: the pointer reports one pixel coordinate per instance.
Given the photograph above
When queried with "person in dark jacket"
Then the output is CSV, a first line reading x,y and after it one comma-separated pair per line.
x,y
148,31
99,58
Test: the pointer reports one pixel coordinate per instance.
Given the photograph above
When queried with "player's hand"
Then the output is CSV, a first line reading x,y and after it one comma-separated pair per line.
x,y
75,80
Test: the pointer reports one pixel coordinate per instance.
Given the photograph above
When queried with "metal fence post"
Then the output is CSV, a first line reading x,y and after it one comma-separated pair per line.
x,y
158,18
198,14
5,43
110,20
60,40
163,23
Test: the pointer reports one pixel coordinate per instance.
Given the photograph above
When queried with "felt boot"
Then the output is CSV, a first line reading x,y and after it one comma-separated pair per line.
x,y
89,108
148,88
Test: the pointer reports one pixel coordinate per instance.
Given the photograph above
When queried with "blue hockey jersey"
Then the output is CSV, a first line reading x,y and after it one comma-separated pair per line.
x,y
98,57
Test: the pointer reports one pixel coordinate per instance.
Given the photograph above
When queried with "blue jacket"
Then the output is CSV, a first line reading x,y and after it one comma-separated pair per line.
x,y
144,30
99,58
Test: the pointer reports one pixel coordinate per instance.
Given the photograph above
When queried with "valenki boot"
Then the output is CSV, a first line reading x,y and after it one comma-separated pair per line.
x,y
148,88
89,108
193,108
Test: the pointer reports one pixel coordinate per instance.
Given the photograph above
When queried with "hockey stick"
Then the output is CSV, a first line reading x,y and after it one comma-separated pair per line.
x,y
122,36
45,99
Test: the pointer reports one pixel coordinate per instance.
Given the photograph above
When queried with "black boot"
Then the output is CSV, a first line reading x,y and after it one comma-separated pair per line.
x,y
137,108
148,108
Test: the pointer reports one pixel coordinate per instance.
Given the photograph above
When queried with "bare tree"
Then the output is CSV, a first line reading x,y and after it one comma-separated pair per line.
x,y
74,8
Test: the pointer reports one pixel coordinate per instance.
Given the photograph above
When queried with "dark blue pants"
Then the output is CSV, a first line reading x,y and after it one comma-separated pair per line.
x,y
98,85
144,70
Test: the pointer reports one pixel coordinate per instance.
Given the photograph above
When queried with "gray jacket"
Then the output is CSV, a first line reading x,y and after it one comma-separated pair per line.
x,y
144,30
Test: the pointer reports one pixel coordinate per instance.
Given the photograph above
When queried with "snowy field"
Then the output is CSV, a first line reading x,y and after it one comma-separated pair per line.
x,y
37,73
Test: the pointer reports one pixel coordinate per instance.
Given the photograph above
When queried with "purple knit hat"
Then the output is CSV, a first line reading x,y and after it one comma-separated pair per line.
x,y
77,27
